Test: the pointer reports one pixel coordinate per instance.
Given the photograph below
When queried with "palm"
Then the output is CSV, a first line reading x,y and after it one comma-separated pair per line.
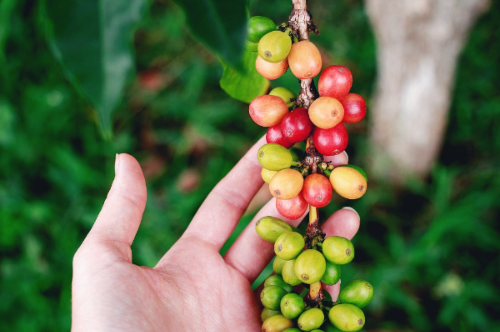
x,y
192,287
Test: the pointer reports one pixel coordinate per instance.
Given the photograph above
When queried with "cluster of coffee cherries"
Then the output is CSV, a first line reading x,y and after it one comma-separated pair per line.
x,y
284,308
299,180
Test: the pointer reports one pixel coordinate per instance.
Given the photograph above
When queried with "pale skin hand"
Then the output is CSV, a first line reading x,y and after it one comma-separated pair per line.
x,y
192,288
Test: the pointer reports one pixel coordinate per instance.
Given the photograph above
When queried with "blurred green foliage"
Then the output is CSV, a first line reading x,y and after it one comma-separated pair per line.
x,y
430,249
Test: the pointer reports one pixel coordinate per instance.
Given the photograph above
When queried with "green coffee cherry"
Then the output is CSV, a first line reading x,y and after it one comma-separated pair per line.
x,y
274,157
289,245
266,313
275,46
258,27
288,273
357,292
292,305
270,228
332,273
271,297
276,280
347,317
317,330
278,265
276,323
286,94
338,250
293,329
310,266
311,319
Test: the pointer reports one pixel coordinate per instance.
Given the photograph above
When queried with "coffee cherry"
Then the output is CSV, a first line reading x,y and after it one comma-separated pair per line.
x,y
267,175
271,297
275,46
286,184
286,94
292,305
293,208
267,111
266,313
274,135
288,273
347,317
348,182
338,250
278,265
326,112
330,142
276,323
289,245
270,70
310,266
357,168
304,60
276,280
258,27
311,319
296,125
354,108
274,157
332,274
357,292
317,190
293,329
335,82
270,228
329,327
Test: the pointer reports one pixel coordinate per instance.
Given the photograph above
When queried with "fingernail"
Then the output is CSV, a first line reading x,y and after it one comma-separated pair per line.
x,y
117,163
347,156
350,208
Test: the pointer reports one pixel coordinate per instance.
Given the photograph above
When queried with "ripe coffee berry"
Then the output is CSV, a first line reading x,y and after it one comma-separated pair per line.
x,y
267,111
335,82
326,112
296,125
274,135
292,208
330,142
354,108
304,60
317,190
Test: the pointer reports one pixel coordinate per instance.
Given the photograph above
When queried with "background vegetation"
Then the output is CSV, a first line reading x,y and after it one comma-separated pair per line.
x,y
430,249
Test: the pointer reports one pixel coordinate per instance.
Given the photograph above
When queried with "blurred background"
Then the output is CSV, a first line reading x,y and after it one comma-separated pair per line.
x,y
428,241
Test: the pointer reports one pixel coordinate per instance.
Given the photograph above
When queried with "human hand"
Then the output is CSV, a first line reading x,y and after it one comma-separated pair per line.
x,y
192,288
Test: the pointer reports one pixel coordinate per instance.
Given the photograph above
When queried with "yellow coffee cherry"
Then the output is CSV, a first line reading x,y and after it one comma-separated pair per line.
x,y
348,182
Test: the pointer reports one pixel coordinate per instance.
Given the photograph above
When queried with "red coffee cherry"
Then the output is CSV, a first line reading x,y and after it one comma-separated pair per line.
x,y
335,82
354,108
292,208
296,125
317,190
274,135
330,142
267,111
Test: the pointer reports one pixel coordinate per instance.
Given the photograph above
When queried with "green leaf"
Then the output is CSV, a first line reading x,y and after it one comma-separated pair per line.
x,y
219,25
243,83
93,41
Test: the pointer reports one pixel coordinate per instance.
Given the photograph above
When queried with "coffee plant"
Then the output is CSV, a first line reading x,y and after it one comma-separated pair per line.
x,y
305,179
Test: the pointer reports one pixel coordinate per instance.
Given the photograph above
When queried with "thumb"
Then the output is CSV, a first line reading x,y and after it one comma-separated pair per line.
x,y
120,217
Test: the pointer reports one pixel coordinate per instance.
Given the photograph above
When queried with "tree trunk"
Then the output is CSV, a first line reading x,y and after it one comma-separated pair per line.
x,y
418,46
